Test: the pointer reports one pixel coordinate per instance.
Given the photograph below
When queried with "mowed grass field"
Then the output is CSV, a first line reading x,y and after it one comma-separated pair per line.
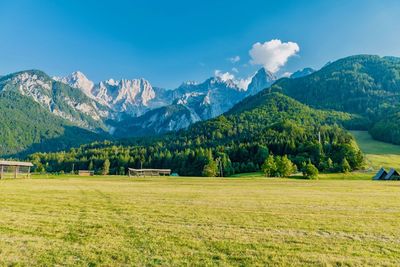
x,y
378,154
117,221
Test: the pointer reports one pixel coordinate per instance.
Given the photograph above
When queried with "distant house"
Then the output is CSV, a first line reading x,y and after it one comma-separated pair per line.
x,y
380,175
392,175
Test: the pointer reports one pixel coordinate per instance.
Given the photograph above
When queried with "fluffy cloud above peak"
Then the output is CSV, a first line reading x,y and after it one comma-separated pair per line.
x,y
273,54
227,76
234,59
224,76
244,83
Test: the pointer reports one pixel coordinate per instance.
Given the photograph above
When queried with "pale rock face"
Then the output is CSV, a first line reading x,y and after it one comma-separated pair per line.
x,y
85,108
78,80
262,80
123,96
40,88
184,100
130,96
35,87
70,118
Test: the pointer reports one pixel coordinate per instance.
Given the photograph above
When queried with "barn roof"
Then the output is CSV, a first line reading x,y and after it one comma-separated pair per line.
x,y
381,174
15,163
391,173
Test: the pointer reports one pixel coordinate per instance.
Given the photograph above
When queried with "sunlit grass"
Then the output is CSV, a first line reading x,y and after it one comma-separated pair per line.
x,y
378,154
116,221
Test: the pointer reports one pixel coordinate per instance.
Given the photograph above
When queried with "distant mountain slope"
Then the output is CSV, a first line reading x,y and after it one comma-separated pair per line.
x,y
354,84
302,73
38,113
58,98
196,103
157,121
364,84
261,80
27,127
193,102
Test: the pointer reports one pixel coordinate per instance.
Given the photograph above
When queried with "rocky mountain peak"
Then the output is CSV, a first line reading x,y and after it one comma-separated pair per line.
x,y
78,80
261,80
302,73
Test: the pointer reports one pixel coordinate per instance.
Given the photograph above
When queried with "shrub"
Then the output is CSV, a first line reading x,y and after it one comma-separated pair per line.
x,y
310,171
269,166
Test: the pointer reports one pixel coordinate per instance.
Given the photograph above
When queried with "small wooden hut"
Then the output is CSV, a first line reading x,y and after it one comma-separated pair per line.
x,y
149,172
85,173
15,169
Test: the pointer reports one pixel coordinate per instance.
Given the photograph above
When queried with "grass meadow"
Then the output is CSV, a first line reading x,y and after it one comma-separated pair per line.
x,y
378,154
246,220
117,221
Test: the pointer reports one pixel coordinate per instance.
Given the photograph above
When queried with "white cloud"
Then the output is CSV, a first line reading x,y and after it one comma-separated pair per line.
x,y
235,70
225,76
234,59
286,74
244,83
273,54
240,82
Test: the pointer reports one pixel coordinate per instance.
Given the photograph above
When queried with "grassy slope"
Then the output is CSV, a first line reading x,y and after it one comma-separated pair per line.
x,y
198,221
378,154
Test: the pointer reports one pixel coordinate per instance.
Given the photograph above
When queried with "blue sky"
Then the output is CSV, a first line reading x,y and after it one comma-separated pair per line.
x,y
168,42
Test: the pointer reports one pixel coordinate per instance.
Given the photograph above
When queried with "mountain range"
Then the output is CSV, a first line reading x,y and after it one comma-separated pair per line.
x,y
111,108
42,110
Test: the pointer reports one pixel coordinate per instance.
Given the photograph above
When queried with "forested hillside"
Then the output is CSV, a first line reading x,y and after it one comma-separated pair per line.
x,y
268,123
366,85
26,127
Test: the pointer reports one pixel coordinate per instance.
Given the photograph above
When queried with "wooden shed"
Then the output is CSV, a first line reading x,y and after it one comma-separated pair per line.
x,y
148,172
85,173
15,169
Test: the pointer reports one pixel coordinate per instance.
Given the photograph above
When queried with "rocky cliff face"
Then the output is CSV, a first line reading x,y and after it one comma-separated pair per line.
x,y
58,98
262,80
130,97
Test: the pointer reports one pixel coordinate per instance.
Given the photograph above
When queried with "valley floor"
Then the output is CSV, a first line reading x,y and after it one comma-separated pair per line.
x,y
198,221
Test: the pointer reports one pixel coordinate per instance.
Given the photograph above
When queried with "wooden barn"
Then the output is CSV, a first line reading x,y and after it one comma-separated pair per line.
x,y
149,172
85,173
15,169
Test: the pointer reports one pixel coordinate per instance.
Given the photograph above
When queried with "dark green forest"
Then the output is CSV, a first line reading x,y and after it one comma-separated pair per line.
x,y
239,141
26,127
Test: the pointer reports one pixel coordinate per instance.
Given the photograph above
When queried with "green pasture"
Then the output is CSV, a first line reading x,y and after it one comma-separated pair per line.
x,y
118,221
378,154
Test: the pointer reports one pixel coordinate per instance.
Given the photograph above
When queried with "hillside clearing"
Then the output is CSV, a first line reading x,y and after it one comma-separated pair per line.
x,y
378,154
198,221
